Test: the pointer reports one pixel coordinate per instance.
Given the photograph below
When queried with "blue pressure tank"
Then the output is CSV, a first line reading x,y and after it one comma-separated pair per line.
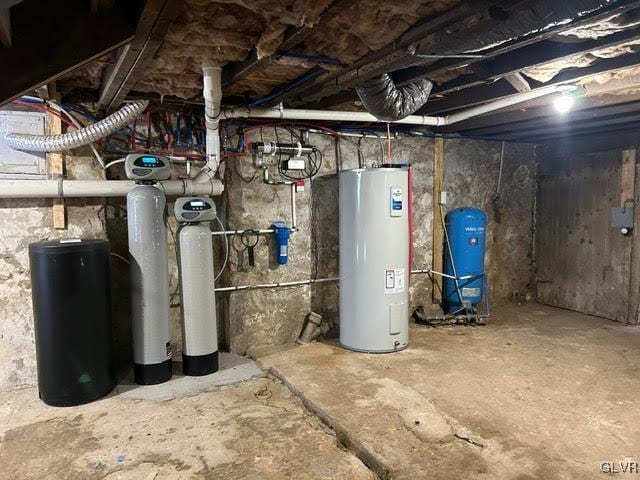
x,y
466,231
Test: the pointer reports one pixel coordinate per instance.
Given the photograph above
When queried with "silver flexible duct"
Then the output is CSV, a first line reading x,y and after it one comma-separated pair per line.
x,y
77,138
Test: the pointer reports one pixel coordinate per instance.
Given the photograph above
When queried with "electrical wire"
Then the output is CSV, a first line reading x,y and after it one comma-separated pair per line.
x,y
44,109
52,108
388,143
226,249
78,126
500,170
117,255
115,162
243,178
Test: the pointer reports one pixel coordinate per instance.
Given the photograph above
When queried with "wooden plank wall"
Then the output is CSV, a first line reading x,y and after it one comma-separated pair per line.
x,y
583,263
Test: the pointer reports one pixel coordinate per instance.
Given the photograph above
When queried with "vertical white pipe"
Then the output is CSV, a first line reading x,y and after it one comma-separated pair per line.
x,y
212,92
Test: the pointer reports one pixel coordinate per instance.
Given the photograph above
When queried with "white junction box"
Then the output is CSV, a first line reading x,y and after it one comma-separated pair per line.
x,y
15,164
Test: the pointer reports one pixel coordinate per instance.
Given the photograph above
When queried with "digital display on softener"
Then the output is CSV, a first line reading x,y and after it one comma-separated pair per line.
x,y
147,167
153,162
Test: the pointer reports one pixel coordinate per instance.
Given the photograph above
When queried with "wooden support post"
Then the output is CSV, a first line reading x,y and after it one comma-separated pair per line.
x,y
627,183
55,169
630,189
438,227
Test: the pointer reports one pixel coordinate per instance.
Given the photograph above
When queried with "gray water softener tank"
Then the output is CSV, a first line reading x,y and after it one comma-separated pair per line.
x,y
71,293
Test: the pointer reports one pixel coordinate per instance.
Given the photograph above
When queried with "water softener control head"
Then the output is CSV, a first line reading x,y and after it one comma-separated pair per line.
x,y
194,209
143,167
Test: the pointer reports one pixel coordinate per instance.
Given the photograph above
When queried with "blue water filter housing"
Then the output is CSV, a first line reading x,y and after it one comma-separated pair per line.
x,y
466,231
281,234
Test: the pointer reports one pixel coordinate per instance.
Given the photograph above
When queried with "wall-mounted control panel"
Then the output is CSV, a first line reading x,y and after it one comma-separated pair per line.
x,y
147,167
194,209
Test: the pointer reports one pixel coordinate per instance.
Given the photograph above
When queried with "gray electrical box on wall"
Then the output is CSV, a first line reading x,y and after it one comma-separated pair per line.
x,y
622,217
15,164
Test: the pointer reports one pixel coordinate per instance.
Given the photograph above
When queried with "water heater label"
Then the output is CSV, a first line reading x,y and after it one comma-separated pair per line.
x,y
470,292
396,202
394,281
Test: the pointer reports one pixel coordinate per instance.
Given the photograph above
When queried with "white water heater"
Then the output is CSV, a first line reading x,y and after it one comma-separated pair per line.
x,y
374,259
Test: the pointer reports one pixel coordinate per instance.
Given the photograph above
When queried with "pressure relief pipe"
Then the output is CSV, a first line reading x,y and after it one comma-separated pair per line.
x,y
212,93
77,138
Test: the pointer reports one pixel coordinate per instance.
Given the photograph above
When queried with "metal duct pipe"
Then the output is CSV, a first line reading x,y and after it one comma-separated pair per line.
x,y
77,138
99,188
339,116
387,102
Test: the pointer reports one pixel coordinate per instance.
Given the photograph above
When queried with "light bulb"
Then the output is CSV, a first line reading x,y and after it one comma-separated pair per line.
x,y
563,102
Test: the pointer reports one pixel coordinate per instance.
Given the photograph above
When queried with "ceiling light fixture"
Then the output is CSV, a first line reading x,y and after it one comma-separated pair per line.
x,y
565,100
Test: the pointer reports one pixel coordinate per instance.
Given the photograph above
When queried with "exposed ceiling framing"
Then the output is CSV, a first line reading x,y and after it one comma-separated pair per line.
x,y
490,28
517,46
238,70
48,41
120,77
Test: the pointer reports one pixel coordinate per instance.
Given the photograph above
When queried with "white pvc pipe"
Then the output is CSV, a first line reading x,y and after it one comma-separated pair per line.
x,y
339,116
99,188
323,115
503,103
212,93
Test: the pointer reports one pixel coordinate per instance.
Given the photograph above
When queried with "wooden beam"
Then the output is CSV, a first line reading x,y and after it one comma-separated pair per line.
x,y
50,41
5,27
521,23
541,116
238,70
613,122
630,186
438,227
486,93
518,82
133,57
55,166
628,177
393,56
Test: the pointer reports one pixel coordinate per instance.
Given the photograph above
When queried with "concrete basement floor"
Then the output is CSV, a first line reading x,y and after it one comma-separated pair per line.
x,y
538,393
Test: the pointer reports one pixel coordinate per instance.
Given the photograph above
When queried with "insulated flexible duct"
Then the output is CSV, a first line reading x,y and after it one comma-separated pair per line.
x,y
77,138
384,100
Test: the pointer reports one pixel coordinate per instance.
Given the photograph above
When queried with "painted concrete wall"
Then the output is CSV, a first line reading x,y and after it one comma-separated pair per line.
x,y
264,318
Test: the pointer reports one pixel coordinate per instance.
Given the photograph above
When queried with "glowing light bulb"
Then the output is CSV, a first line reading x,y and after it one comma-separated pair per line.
x,y
563,102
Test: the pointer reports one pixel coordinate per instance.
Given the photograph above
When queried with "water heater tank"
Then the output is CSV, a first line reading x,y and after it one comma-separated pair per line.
x,y
466,233
374,259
